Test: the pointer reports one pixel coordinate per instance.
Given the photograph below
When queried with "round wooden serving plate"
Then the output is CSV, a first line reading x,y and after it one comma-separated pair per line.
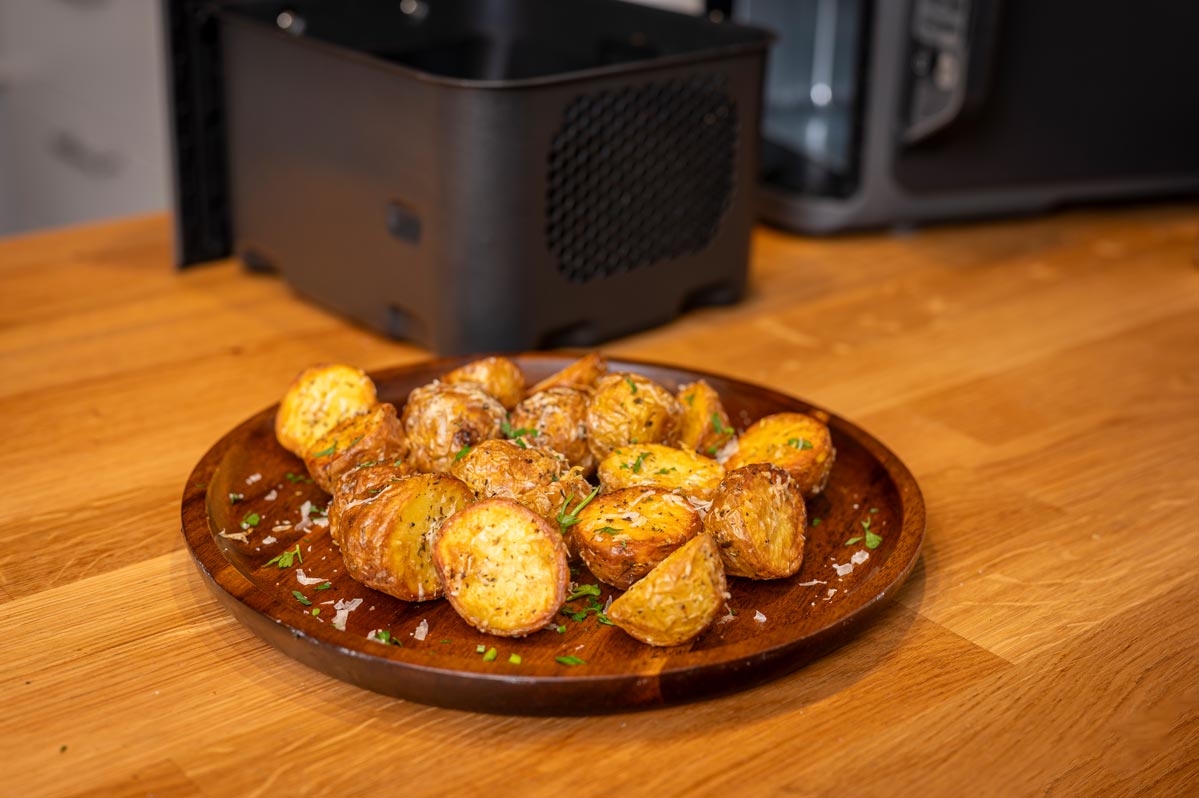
x,y
777,625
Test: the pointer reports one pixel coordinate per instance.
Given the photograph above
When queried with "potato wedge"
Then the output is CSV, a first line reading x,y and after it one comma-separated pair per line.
x,y
387,540
628,408
678,599
622,535
359,486
373,437
757,518
705,426
319,399
655,465
583,373
540,480
498,376
796,442
503,566
444,421
559,416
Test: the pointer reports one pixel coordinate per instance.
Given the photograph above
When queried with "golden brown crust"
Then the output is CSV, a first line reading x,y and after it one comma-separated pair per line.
x,y
498,376
678,599
559,415
361,484
622,535
757,518
628,408
655,465
538,479
374,437
442,420
320,398
503,566
583,373
796,442
705,427
386,539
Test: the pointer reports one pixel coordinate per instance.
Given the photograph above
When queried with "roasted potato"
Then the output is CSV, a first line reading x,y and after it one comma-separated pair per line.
x,y
622,535
387,540
655,465
444,421
757,518
360,485
374,437
503,566
628,408
540,480
677,600
558,415
583,373
319,399
498,376
705,426
796,442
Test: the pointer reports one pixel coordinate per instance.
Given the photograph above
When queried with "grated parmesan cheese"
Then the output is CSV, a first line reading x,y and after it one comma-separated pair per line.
x,y
269,539
250,480
234,536
832,591
810,584
422,630
843,569
860,557
270,497
305,518
344,608
759,617
308,580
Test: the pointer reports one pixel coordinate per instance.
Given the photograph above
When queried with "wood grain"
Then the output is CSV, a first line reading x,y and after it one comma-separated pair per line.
x,y
1040,377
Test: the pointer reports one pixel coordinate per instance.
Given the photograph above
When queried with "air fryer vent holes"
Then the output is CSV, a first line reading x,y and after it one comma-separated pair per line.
x,y
639,175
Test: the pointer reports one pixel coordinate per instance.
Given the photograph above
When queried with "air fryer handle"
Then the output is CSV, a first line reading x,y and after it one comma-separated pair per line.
x,y
952,50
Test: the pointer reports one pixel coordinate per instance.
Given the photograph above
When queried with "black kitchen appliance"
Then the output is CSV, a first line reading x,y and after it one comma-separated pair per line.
x,y
470,174
882,112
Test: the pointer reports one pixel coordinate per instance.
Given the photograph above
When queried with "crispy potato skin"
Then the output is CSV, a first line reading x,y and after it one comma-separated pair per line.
x,y
796,442
678,599
374,437
655,465
629,408
386,539
622,535
360,485
538,479
498,376
583,373
440,420
757,518
699,432
503,566
320,398
559,414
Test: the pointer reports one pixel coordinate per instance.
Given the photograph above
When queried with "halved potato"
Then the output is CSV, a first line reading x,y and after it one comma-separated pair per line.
x,y
583,373
796,442
320,398
387,542
361,485
757,517
655,465
444,421
622,535
677,600
503,566
371,438
705,427
628,408
540,480
498,376
558,415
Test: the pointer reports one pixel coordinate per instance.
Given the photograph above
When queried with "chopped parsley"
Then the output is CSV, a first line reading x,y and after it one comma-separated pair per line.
x,y
316,611
294,478
234,498
873,540
718,425
300,597
463,452
853,540
817,521
873,510
251,519
640,459
607,530
661,471
384,637
479,649
560,629
517,435
325,586
632,385
328,451
799,443
584,590
565,518
689,398
514,659
285,559
490,655
571,661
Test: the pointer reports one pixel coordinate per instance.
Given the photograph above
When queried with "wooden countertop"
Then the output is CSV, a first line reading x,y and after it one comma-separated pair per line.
x,y
1040,378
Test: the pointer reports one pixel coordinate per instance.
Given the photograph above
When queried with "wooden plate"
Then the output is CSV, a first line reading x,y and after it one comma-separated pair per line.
x,y
777,627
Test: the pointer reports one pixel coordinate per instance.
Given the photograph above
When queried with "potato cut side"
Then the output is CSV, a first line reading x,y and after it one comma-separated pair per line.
x,y
319,399
558,416
371,438
503,566
622,535
443,422
678,599
757,518
799,443
583,373
659,466
627,409
387,542
705,427
498,376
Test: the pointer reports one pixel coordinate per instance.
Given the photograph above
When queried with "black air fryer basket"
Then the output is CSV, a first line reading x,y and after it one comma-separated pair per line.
x,y
471,174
